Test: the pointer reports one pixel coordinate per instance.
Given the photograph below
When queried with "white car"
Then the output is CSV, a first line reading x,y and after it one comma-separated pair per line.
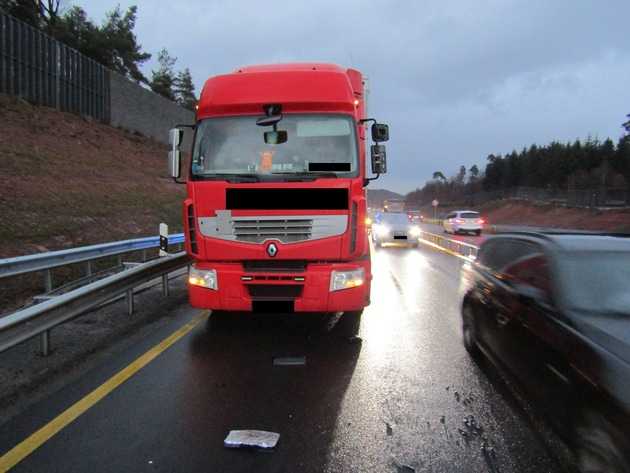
x,y
394,227
463,221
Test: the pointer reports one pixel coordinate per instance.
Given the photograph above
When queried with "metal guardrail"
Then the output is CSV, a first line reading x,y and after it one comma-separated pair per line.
x,y
456,246
54,259
41,318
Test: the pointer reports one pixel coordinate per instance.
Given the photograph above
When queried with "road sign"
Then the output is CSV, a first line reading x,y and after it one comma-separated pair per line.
x,y
435,203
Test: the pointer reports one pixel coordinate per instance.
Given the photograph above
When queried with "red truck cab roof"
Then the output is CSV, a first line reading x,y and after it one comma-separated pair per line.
x,y
301,87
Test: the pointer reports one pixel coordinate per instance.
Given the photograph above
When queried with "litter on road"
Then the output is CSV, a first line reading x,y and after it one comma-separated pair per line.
x,y
251,438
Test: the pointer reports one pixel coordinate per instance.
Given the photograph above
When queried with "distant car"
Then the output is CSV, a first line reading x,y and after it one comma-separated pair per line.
x,y
415,216
394,227
554,309
463,221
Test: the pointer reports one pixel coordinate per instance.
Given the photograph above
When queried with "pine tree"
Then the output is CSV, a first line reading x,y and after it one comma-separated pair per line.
x,y
163,80
461,176
439,175
185,90
25,10
473,173
126,54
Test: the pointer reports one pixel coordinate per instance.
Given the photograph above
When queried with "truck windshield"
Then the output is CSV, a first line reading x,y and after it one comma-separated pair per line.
x,y
316,144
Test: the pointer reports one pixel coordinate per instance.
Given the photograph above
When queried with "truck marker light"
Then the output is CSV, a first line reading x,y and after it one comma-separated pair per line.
x,y
298,278
246,278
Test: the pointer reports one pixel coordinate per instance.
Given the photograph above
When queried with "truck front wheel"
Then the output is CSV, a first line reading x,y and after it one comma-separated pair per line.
x,y
350,323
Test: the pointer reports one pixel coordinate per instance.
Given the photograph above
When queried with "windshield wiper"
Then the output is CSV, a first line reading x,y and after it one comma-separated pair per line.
x,y
310,176
231,177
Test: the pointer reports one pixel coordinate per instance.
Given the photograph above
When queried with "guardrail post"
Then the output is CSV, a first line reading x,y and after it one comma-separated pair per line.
x,y
165,284
119,260
144,255
129,298
48,280
45,343
88,268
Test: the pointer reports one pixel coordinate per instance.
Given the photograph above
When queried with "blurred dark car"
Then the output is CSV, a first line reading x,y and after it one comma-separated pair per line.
x,y
554,309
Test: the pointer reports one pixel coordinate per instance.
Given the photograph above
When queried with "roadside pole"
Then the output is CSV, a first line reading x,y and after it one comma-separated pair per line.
x,y
164,252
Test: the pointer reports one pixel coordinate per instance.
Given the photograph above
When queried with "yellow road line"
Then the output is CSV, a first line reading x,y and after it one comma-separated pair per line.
x,y
445,250
37,439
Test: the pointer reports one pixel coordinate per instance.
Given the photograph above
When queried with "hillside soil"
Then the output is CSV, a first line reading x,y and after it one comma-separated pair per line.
x,y
70,181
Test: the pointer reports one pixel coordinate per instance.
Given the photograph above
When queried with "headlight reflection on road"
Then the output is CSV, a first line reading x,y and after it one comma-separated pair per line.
x,y
414,278
397,288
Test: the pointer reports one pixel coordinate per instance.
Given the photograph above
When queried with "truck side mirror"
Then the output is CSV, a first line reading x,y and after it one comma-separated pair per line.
x,y
380,132
379,159
175,136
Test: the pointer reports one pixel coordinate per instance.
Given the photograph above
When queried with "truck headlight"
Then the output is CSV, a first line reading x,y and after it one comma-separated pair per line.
x,y
203,277
346,279
415,231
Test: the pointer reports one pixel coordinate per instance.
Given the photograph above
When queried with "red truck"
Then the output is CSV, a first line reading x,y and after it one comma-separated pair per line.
x,y
276,208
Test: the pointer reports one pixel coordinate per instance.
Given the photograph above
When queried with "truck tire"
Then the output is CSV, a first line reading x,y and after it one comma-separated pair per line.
x,y
349,324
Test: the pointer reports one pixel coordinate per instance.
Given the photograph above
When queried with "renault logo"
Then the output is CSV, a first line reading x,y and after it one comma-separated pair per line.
x,y
272,249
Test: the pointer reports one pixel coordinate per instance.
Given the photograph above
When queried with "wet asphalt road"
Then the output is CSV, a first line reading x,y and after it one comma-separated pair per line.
x,y
394,399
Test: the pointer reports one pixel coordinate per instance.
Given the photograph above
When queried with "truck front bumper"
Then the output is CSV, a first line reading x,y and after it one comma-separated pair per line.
x,y
307,291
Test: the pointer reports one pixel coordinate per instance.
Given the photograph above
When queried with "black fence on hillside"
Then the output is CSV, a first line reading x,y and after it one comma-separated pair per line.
x,y
44,71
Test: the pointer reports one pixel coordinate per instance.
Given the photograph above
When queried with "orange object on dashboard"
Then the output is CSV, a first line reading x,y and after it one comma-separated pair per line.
x,y
266,161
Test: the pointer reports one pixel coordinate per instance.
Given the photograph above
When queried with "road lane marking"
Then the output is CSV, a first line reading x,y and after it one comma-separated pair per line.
x,y
396,282
37,439
445,250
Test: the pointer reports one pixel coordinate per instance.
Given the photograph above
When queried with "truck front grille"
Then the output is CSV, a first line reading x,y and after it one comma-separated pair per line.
x,y
259,230
284,228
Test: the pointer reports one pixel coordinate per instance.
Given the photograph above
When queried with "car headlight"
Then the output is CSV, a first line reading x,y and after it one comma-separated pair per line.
x,y
346,279
415,231
381,230
203,277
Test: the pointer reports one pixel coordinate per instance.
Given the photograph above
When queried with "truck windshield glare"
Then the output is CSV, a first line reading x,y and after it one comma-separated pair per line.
x,y
317,144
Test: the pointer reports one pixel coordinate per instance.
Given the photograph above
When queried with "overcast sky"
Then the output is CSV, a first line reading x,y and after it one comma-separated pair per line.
x,y
455,80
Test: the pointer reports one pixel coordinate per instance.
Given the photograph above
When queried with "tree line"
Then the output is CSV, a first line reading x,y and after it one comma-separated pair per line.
x,y
113,44
574,165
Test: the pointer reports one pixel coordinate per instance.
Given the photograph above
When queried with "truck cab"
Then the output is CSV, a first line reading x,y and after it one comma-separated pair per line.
x,y
275,211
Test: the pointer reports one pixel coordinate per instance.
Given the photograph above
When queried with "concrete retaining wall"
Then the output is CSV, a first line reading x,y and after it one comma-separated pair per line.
x,y
138,109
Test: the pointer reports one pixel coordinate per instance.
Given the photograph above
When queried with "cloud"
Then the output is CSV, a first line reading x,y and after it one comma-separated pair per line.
x,y
456,80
